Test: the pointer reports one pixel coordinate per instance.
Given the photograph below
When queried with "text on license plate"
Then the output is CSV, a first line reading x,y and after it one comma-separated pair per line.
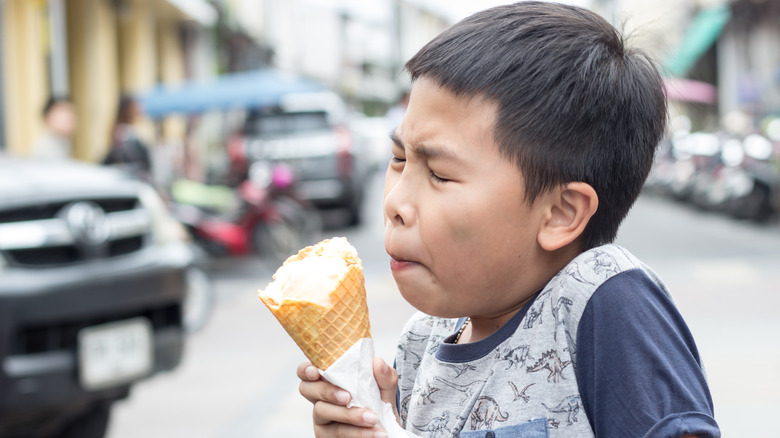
x,y
115,353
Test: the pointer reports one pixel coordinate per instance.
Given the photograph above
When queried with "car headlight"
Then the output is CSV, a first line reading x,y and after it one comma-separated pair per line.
x,y
165,228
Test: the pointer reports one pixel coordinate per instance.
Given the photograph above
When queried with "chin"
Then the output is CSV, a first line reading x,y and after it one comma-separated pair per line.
x,y
417,299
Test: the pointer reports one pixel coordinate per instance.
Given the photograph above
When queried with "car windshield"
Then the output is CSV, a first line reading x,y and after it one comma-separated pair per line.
x,y
269,125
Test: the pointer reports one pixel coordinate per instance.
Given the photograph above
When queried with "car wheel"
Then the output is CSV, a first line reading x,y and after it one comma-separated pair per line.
x,y
355,209
198,301
758,205
92,424
307,219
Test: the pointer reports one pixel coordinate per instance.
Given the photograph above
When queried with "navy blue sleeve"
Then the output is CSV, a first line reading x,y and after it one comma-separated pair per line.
x,y
638,368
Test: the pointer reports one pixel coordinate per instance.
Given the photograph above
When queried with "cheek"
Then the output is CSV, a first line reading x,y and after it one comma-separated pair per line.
x,y
390,180
475,236
463,221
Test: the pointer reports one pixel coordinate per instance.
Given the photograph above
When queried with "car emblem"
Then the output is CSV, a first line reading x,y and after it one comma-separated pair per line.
x,y
87,222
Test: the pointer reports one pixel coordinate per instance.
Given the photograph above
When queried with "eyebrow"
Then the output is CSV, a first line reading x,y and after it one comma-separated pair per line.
x,y
425,151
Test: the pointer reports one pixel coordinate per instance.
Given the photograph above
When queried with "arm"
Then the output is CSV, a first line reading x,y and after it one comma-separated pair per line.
x,y
331,416
638,368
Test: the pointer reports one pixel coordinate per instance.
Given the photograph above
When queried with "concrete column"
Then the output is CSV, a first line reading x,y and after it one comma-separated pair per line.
x,y
171,62
137,45
25,87
94,72
173,128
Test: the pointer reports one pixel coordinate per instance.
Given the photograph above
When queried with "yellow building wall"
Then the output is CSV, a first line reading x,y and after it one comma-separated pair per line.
x,y
111,51
171,69
94,73
25,81
137,46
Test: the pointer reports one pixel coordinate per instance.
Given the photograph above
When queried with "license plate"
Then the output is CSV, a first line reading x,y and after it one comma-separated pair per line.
x,y
115,353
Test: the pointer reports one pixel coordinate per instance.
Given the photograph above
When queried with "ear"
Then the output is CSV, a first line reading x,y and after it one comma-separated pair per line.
x,y
568,211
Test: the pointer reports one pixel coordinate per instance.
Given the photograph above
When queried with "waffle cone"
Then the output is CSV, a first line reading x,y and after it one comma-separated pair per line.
x,y
324,332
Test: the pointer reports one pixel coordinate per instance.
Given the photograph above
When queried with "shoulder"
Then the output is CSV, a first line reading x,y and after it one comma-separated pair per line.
x,y
633,297
633,339
574,287
631,312
594,267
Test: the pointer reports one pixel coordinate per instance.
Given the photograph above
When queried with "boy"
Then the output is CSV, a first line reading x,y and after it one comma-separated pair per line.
x,y
529,134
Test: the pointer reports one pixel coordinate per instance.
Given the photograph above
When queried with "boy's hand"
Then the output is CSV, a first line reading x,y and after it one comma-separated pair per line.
x,y
331,416
387,380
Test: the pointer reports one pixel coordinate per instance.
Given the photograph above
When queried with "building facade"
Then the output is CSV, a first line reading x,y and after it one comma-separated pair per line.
x,y
91,51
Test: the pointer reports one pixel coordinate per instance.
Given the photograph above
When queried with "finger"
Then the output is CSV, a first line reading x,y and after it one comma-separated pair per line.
x,y
387,380
327,413
321,390
307,371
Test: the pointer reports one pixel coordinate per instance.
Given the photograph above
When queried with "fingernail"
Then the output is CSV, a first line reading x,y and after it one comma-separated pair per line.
x,y
369,418
312,373
385,368
342,397
380,434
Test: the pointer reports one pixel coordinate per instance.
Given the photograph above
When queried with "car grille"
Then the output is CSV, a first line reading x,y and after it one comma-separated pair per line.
x,y
64,336
45,235
50,209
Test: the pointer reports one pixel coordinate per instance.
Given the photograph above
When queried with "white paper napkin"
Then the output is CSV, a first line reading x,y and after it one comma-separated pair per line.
x,y
362,385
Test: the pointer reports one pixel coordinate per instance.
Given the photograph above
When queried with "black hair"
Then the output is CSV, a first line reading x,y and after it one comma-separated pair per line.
x,y
125,109
53,101
573,103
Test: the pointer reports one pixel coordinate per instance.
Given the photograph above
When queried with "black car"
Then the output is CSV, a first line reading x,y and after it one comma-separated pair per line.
x,y
93,276
313,134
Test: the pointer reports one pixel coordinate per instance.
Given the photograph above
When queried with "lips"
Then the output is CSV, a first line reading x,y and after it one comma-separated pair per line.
x,y
401,265
400,262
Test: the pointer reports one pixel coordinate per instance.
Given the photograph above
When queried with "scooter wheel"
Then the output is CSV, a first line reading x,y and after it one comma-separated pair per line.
x,y
276,240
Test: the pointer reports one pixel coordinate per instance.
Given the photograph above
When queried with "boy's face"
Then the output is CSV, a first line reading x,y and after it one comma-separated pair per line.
x,y
462,239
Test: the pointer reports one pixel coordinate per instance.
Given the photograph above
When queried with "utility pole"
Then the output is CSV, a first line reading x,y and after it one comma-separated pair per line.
x,y
2,64
58,49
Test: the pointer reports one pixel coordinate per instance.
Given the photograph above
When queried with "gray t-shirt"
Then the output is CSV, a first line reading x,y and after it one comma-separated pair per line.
x,y
522,381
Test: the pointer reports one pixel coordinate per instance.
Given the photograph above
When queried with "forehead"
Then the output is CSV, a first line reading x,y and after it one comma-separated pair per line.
x,y
437,116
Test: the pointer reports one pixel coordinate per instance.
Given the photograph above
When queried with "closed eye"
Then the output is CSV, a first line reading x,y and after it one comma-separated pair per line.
x,y
437,178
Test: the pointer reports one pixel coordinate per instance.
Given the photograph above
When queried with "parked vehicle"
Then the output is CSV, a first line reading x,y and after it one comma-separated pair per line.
x,y
720,172
311,133
93,276
261,215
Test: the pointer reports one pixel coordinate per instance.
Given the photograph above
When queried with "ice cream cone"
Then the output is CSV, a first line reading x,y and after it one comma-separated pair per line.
x,y
319,297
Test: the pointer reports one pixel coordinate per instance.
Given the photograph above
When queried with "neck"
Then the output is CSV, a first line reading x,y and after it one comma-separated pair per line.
x,y
480,327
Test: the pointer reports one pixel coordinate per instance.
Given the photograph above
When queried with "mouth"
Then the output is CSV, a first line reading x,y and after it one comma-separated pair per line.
x,y
400,263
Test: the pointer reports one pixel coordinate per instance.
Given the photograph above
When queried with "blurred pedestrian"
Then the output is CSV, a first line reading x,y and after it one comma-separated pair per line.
x,y
59,119
127,150
396,112
394,115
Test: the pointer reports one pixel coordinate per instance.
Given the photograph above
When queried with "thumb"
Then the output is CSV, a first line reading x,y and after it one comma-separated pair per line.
x,y
387,380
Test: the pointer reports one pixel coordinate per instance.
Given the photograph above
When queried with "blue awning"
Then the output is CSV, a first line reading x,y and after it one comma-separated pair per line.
x,y
238,90
700,35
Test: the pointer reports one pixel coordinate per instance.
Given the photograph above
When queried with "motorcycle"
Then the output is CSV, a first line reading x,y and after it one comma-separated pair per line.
x,y
721,172
260,216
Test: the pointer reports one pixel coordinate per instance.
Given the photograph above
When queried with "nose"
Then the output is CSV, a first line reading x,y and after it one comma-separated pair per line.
x,y
398,200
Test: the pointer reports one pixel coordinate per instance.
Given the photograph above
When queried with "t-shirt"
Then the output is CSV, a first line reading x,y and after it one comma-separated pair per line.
x,y
601,350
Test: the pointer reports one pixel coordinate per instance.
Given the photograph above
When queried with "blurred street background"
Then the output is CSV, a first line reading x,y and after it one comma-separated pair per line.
x,y
254,127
